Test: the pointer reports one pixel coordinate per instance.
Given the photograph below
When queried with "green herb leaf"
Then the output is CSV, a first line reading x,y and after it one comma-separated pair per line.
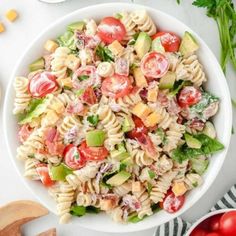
x,y
155,208
93,119
133,218
178,85
149,188
118,16
161,133
78,211
92,209
151,174
83,77
209,146
104,53
122,166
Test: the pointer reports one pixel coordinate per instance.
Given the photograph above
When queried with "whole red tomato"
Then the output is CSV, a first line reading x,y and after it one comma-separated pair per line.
x,y
228,224
198,232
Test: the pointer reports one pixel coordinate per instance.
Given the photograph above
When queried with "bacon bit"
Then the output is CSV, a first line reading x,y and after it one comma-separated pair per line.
x,y
52,142
75,107
173,107
89,96
143,94
24,132
197,124
86,41
162,99
147,144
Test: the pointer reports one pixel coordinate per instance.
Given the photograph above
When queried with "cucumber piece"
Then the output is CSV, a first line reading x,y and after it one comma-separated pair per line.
x,y
168,80
192,142
37,65
95,138
119,155
118,178
188,45
142,44
76,26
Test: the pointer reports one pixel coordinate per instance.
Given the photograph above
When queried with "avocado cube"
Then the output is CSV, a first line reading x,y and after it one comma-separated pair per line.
x,y
188,45
37,65
119,178
168,80
59,172
192,142
142,44
157,46
76,26
128,124
95,138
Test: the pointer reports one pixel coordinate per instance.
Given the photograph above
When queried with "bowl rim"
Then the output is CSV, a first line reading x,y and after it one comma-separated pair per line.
x,y
223,153
208,215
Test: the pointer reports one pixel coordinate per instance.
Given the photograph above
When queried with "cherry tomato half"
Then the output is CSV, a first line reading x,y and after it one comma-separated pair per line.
x,y
198,232
228,224
92,153
73,158
139,128
111,29
42,84
189,96
42,170
154,65
171,203
169,41
116,86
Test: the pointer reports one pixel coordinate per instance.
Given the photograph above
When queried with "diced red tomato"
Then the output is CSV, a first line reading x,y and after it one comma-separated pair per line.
x,y
89,96
198,232
154,65
92,153
228,224
73,158
42,84
122,66
24,132
189,96
139,128
169,41
146,144
111,29
116,86
42,170
171,203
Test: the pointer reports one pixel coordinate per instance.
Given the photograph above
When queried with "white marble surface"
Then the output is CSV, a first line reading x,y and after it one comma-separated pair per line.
x,y
34,16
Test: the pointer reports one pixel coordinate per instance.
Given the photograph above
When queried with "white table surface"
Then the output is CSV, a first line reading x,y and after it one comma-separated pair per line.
x,y
34,16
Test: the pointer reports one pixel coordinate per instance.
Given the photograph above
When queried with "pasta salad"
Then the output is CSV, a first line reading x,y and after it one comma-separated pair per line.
x,y
113,117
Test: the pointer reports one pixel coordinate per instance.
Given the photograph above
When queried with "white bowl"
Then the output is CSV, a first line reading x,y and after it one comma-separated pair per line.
x,y
216,84
208,215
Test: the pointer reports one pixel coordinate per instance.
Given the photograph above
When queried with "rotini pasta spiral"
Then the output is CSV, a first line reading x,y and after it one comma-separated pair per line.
x,y
191,69
87,199
22,97
163,184
144,22
123,189
112,126
129,24
68,123
64,200
192,180
181,169
58,65
145,202
30,169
